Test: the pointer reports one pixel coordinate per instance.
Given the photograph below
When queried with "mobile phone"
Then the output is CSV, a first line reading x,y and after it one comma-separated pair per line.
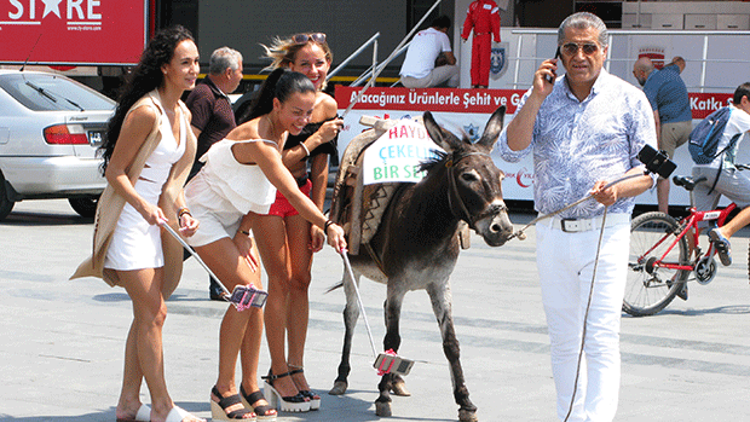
x,y
244,297
388,363
551,79
656,161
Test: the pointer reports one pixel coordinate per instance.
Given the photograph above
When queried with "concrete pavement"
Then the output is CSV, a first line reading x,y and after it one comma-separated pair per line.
x,y
62,341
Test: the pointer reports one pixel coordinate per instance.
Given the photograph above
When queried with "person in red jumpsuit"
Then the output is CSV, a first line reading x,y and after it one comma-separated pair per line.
x,y
484,17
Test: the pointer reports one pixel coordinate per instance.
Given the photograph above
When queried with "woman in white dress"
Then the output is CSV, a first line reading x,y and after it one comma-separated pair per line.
x,y
147,153
235,187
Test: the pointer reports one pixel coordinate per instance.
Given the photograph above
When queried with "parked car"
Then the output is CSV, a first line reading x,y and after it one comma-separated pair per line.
x,y
50,128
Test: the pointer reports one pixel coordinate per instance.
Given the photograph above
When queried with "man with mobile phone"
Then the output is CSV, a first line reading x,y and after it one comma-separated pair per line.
x,y
584,130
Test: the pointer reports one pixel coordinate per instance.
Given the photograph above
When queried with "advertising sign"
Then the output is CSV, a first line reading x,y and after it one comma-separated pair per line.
x,y
398,153
72,32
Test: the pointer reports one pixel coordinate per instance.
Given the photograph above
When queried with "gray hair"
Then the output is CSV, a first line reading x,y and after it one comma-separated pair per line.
x,y
584,20
223,58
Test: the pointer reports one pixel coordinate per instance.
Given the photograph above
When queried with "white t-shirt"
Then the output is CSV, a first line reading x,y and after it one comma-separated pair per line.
x,y
739,122
422,52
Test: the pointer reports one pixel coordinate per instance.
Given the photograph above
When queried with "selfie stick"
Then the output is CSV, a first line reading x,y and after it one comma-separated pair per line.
x,y
242,297
387,362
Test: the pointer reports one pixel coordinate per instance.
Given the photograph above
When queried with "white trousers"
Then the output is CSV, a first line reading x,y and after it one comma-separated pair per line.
x,y
438,75
565,262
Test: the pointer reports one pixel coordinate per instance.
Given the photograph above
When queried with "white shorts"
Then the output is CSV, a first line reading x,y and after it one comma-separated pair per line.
x,y
731,184
217,217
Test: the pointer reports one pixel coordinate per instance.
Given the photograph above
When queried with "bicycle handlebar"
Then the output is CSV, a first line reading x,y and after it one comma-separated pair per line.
x,y
688,183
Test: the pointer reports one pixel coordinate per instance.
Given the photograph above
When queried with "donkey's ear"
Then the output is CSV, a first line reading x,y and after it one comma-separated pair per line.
x,y
493,128
446,140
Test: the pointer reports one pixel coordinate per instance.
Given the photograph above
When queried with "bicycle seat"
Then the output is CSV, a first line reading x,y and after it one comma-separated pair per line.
x,y
687,182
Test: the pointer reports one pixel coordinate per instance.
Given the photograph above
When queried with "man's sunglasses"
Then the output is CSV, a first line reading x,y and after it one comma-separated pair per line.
x,y
318,37
571,48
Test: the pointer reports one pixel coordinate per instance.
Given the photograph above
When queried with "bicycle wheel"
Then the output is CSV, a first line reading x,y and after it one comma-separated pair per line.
x,y
650,288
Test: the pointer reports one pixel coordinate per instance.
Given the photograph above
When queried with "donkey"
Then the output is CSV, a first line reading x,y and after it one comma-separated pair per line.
x,y
416,247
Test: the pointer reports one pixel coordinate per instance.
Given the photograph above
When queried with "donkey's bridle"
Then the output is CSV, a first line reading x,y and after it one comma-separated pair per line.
x,y
454,197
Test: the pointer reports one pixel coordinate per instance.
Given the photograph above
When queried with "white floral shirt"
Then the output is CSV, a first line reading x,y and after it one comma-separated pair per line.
x,y
577,143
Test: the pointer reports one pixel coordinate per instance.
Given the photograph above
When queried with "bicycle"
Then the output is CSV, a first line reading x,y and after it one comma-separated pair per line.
x,y
659,264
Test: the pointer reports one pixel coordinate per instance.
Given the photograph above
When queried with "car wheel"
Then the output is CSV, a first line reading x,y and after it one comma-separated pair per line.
x,y
85,206
6,205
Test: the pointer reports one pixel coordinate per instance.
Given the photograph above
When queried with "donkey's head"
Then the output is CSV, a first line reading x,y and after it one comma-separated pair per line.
x,y
474,191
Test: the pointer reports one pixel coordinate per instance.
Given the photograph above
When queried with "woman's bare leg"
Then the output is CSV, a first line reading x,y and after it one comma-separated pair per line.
x,y
149,313
270,236
250,349
224,259
132,377
298,240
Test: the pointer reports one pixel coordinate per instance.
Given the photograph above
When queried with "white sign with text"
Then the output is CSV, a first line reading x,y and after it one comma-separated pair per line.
x,y
398,153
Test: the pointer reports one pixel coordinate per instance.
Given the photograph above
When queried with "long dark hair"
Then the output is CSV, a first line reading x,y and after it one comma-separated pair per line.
x,y
146,77
281,83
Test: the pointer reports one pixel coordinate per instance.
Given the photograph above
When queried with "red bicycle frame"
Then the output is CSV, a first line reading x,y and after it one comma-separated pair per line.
x,y
689,222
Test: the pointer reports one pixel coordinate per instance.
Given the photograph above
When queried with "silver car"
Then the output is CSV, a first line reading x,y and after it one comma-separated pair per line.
x,y
50,128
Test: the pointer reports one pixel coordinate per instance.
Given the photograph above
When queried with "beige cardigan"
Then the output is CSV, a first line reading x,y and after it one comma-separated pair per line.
x,y
111,204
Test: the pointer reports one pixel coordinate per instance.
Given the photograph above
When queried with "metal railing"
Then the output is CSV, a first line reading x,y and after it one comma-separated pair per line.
x,y
618,36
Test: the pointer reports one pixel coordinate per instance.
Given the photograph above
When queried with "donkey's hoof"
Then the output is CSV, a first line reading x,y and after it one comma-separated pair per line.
x,y
383,409
339,388
399,389
467,415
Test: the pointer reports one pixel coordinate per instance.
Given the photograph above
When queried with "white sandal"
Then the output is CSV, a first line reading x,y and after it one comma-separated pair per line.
x,y
177,414
143,415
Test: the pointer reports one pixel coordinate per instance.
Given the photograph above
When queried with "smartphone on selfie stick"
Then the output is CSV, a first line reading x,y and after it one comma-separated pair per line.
x,y
657,162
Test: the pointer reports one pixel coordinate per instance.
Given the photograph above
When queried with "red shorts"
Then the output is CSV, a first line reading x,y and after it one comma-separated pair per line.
x,y
281,206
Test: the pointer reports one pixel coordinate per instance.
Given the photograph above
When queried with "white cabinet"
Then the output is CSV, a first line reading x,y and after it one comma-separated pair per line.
x,y
732,22
700,22
666,21
630,21
688,15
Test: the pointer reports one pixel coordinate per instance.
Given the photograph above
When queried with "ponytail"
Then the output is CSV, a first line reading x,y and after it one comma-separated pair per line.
x,y
281,84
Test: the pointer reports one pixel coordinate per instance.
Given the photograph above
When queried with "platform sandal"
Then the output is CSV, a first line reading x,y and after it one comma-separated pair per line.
x,y
296,403
314,398
218,409
263,412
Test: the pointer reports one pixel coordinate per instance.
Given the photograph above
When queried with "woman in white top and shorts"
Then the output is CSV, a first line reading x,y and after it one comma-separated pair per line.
x,y
237,184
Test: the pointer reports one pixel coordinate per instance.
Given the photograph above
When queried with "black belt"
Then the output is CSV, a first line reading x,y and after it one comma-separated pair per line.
x,y
302,180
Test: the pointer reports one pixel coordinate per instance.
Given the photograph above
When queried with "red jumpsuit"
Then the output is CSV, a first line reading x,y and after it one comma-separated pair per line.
x,y
484,17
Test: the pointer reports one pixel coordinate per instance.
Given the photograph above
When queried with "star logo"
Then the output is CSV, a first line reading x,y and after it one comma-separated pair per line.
x,y
51,6
472,132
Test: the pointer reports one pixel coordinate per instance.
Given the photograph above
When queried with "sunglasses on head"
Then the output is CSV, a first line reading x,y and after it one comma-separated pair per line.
x,y
571,48
318,37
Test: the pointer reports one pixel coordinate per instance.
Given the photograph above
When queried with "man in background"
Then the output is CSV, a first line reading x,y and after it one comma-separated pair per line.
x,y
429,59
668,96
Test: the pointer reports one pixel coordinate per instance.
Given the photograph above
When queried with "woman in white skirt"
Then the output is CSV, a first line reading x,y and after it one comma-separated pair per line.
x,y
147,153
233,189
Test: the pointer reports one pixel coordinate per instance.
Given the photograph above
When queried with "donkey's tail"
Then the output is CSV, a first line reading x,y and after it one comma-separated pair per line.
x,y
335,286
